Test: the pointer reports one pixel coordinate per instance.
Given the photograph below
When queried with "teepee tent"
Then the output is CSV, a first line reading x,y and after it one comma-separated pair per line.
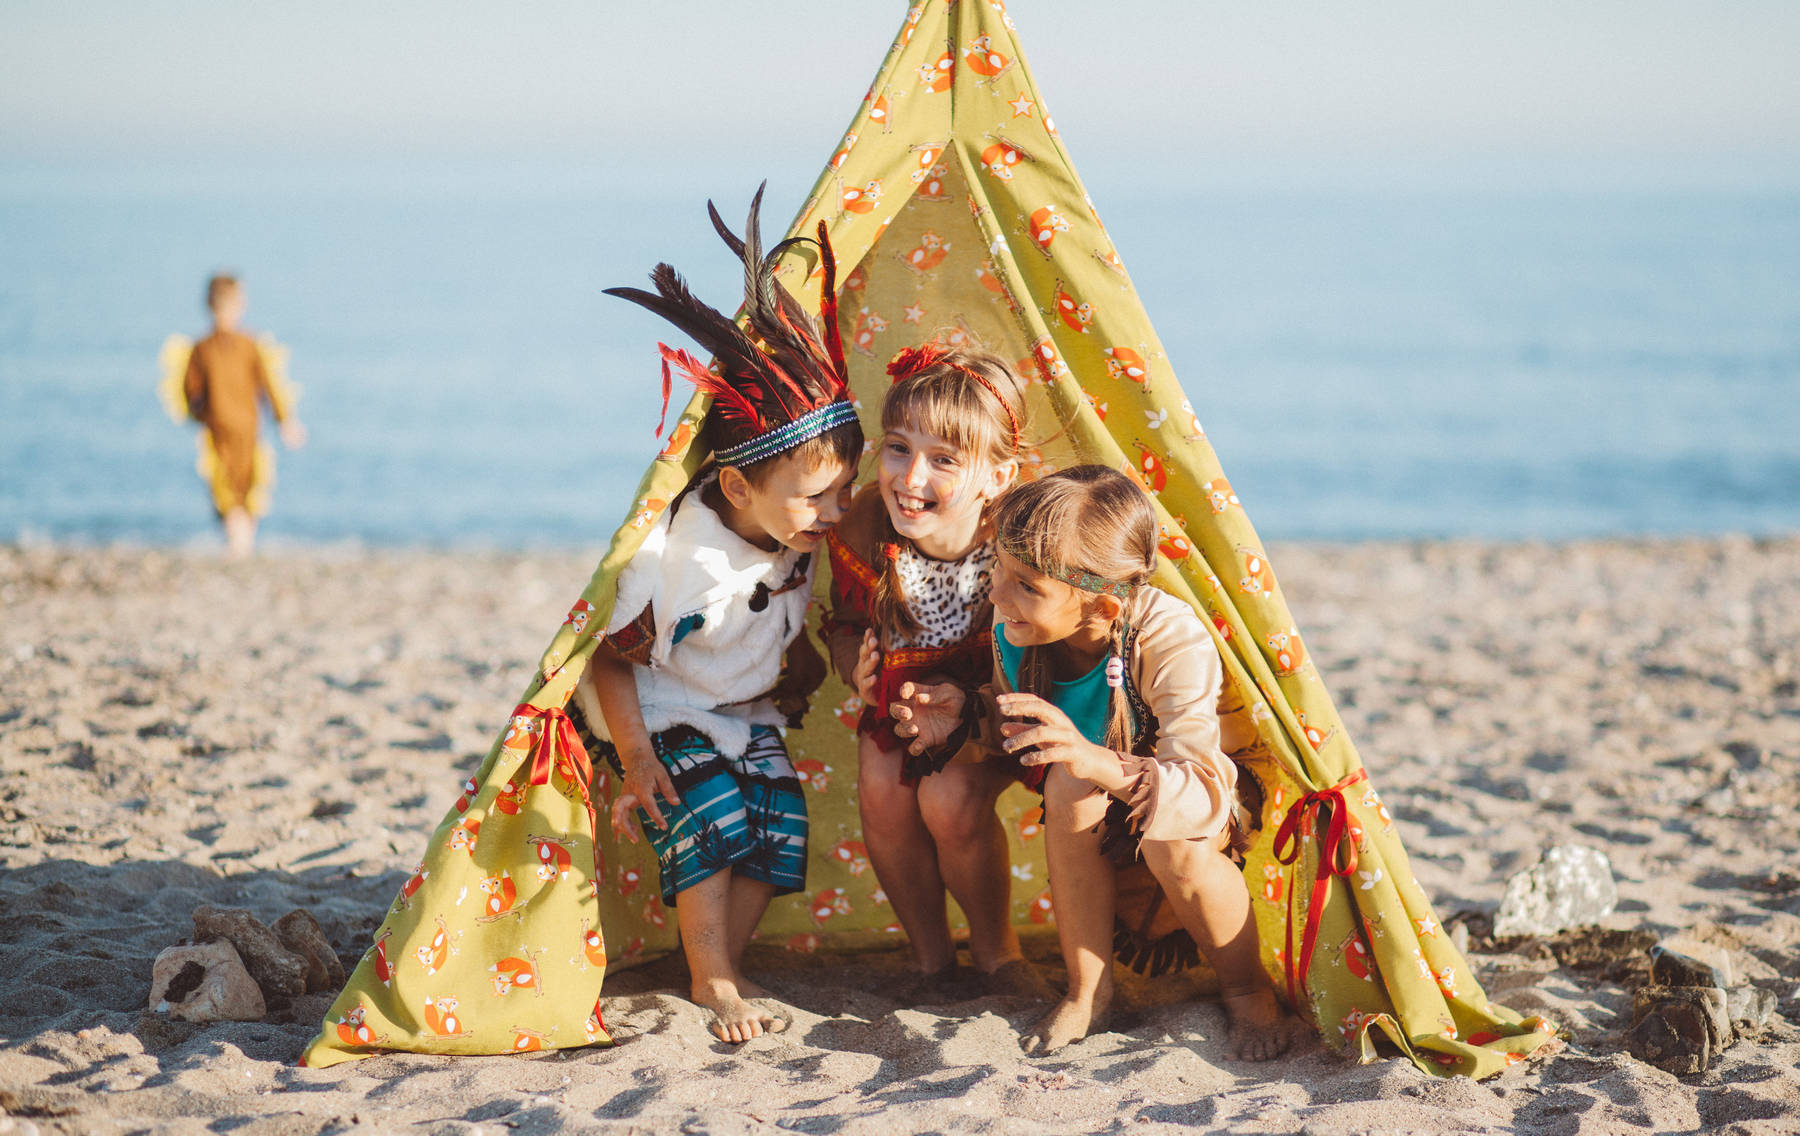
x,y
955,212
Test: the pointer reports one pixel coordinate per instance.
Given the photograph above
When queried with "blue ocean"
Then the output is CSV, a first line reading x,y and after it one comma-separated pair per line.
x,y
1367,365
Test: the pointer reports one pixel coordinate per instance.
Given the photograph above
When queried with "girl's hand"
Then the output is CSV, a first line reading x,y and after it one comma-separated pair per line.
x,y
645,778
927,714
1055,740
868,666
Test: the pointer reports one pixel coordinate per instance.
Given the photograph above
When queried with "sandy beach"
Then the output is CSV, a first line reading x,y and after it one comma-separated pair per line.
x,y
178,731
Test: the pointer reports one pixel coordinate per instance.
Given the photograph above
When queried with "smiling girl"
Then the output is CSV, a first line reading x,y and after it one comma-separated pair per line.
x,y
1113,687
910,565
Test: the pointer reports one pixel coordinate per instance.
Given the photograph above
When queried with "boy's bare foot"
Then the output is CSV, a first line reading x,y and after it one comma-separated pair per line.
x,y
1068,1021
1260,1030
734,1019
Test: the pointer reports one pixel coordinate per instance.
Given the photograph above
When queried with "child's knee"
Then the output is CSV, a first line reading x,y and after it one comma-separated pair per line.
x,y
1072,801
954,819
1185,859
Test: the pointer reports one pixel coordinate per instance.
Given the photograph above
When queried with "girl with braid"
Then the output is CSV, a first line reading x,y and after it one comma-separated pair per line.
x,y
910,567
1113,687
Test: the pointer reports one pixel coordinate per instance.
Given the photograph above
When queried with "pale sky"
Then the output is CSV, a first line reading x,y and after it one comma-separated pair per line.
x,y
1654,91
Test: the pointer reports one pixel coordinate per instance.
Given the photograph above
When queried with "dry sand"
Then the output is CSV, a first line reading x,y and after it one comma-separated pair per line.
x,y
177,731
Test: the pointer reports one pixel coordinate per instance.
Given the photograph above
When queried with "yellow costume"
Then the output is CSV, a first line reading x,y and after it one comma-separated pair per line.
x,y
220,382
955,212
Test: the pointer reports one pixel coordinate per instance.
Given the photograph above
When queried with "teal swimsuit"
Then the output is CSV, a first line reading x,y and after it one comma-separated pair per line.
x,y
1086,700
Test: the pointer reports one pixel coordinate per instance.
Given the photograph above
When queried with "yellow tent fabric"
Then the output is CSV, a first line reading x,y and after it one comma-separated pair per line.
x,y
955,212
172,392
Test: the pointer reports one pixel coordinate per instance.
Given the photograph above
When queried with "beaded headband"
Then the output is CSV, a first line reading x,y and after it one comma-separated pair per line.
x,y
909,361
1075,577
789,435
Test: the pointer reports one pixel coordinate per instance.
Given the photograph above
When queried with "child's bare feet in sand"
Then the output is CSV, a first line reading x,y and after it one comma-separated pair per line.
x,y
1068,1021
1260,1030
733,1018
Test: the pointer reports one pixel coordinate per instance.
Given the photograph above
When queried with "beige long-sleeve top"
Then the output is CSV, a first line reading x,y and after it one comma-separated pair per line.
x,y
1183,785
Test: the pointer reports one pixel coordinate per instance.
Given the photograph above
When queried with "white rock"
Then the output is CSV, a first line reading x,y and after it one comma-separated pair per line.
x,y
221,990
1570,886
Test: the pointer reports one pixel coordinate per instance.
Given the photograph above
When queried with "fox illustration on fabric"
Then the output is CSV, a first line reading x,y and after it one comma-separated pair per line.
x,y
440,1017
1040,909
863,199
938,76
413,883
1123,363
999,158
1077,314
353,1028
516,972
593,945
831,901
1258,580
853,854
925,159
554,862
878,113
863,331
1287,651
843,151
464,834
814,774
983,59
1219,494
502,895
578,616
1046,222
433,955
930,252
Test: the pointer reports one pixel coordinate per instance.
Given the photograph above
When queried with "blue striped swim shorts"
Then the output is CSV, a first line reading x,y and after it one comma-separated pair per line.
x,y
745,813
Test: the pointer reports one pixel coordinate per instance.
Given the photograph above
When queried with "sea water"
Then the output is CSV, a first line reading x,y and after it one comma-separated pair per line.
x,y
1367,365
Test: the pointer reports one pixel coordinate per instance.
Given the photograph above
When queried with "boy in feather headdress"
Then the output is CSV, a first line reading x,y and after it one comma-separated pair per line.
x,y
688,685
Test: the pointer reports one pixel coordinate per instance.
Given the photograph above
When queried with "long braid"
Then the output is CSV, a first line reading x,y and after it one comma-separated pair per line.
x,y
893,614
1119,728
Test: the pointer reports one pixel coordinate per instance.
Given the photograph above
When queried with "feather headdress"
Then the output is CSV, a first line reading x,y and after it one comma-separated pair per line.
x,y
779,378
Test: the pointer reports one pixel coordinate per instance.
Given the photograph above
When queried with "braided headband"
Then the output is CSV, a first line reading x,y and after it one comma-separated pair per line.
x,y
909,361
785,437
1086,581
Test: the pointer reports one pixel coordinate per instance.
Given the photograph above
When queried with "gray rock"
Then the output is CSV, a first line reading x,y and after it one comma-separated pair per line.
x,y
279,971
1749,1007
1682,961
1570,886
300,932
1679,1029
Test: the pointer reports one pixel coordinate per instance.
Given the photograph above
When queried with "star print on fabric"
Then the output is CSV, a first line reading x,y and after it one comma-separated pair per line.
x,y
1021,106
1428,927
914,313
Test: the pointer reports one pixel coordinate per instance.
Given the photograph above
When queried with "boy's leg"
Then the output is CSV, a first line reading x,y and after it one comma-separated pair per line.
x,y
706,834
1207,892
903,854
1083,886
957,804
704,913
748,900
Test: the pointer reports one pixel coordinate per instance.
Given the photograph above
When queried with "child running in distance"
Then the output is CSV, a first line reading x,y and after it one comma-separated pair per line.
x,y
910,568
1112,686
226,382
688,685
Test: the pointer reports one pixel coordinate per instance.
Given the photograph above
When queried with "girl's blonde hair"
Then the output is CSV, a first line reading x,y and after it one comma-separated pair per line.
x,y
1089,519
970,398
